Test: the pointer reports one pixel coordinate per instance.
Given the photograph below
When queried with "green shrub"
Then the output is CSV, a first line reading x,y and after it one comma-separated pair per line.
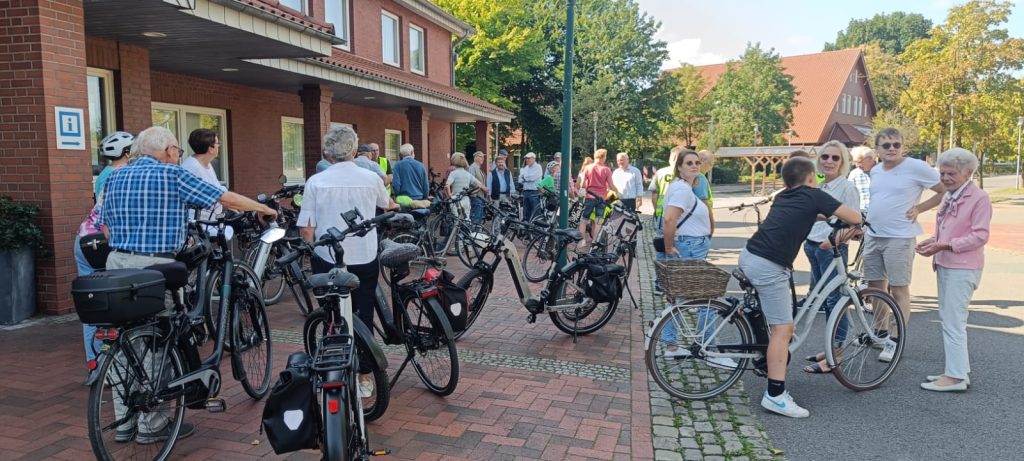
x,y
16,227
724,175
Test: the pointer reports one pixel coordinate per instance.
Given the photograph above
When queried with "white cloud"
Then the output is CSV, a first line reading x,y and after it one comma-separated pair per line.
x,y
688,50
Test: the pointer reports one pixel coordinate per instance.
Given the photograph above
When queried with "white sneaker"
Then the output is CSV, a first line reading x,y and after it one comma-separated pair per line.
x,y
724,363
676,354
783,405
366,387
888,350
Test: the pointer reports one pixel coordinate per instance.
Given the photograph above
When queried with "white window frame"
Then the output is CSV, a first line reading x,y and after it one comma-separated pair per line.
x,y
401,141
397,39
423,50
109,103
183,133
302,123
345,31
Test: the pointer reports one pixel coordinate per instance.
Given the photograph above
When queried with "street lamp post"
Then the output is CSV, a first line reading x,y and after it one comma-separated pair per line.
x,y
595,131
1020,124
563,193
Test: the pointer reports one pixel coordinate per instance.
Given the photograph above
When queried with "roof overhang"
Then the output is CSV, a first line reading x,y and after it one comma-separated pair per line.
x,y
439,16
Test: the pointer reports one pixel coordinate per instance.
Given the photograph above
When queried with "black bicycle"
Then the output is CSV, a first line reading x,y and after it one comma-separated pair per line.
x,y
149,367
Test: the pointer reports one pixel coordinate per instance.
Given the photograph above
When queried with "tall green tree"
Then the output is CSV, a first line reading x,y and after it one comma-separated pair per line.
x,y
689,115
893,32
754,91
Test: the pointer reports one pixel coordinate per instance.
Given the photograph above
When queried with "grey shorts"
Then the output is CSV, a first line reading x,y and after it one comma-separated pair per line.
x,y
772,283
889,259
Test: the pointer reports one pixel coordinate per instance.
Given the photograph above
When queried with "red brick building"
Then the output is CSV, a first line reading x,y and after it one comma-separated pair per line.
x,y
270,76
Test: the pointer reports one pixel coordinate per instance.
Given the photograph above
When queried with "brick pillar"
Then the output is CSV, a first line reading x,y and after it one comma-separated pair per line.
x,y
134,96
316,119
483,139
419,119
42,65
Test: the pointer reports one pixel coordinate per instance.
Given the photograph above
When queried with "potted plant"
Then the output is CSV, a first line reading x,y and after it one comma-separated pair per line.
x,y
19,240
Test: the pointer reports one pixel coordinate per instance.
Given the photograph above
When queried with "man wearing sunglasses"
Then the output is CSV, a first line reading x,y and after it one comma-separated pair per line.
x,y
896,187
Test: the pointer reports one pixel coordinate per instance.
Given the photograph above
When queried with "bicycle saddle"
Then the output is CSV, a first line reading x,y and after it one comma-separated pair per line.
x,y
401,221
335,278
569,234
175,274
394,255
738,274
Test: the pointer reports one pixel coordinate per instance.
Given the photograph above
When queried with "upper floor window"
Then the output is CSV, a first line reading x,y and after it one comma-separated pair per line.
x,y
337,13
389,39
297,5
417,50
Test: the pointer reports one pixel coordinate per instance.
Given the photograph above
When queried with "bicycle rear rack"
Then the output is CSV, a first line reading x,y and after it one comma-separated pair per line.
x,y
335,353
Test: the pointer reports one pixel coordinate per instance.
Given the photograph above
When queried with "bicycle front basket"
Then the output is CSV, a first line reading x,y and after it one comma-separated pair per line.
x,y
691,279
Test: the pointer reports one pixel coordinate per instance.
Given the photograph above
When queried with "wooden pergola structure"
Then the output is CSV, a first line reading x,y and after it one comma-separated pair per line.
x,y
768,158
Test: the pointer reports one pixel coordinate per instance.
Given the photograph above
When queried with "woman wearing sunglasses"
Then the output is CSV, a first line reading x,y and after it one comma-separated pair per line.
x,y
834,163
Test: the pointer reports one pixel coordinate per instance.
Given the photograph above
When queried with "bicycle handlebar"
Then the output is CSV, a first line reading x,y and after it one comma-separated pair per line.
x,y
749,205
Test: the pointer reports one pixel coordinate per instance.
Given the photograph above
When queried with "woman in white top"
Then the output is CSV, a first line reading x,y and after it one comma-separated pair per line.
x,y
833,162
459,180
205,148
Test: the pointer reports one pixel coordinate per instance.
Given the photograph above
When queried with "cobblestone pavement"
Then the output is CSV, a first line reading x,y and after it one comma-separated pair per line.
x,y
722,428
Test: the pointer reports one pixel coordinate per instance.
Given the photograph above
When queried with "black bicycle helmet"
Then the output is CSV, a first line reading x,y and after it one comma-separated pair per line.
x,y
194,254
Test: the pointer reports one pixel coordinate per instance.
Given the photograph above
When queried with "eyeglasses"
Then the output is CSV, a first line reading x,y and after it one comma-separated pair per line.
x,y
894,145
693,163
180,150
834,158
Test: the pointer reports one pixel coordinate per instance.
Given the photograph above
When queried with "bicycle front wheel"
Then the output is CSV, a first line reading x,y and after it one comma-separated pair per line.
x,y
467,248
250,337
675,354
540,254
857,334
573,311
478,286
130,373
432,351
273,278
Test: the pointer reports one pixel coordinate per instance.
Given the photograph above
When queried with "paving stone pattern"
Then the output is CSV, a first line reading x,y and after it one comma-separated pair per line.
x,y
722,428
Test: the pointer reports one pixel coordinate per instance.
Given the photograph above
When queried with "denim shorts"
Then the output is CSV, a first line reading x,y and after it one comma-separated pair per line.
x,y
693,247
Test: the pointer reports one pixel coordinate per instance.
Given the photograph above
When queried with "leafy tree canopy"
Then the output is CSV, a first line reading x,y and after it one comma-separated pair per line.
x,y
893,32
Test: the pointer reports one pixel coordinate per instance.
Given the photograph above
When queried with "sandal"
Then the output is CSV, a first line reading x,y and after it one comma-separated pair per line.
x,y
815,369
815,358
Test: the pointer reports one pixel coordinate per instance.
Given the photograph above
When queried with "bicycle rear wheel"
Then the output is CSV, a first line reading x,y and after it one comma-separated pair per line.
x,y
466,246
673,354
337,429
579,320
540,254
478,285
855,338
317,326
433,352
113,425
250,340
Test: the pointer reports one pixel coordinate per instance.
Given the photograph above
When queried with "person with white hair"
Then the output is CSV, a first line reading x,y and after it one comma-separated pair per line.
x,y
864,160
530,175
410,176
958,250
629,182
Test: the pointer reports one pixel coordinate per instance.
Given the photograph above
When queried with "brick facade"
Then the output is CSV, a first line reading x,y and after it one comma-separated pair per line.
x,y
316,116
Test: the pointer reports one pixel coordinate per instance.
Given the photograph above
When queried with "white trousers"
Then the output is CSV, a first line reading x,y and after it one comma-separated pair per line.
x,y
956,287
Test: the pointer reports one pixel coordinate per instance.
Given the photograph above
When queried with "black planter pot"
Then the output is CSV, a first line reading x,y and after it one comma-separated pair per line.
x,y
17,291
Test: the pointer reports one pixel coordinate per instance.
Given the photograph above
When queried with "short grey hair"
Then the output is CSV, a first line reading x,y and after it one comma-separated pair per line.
x,y
858,153
406,150
154,140
959,158
844,168
621,155
340,144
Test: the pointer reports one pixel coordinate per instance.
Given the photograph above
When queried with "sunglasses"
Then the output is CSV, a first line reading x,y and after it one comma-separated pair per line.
x,y
834,158
894,145
693,163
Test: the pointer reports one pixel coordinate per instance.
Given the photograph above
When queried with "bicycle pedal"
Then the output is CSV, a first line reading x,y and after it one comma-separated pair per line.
x,y
216,405
532,318
383,452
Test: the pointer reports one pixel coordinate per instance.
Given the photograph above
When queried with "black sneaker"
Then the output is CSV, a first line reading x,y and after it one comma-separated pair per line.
x,y
145,438
125,435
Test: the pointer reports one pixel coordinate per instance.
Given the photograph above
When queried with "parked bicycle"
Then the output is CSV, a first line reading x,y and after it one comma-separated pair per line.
x,y
720,338
756,206
149,367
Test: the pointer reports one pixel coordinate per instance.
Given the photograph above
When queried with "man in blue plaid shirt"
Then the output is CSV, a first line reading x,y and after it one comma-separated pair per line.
x,y
145,213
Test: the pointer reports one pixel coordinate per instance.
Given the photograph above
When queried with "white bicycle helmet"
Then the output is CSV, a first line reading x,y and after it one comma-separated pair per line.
x,y
114,145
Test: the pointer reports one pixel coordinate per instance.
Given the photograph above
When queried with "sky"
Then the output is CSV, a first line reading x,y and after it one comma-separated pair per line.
x,y
705,32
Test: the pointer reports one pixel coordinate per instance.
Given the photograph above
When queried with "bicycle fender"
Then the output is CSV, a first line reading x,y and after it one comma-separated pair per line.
x,y
376,353
439,316
647,335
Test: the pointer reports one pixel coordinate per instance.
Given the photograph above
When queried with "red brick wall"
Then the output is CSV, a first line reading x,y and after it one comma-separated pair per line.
x,y
131,66
42,65
370,123
440,140
366,38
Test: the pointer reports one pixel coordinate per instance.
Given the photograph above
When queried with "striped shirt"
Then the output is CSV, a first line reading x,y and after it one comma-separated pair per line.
x,y
862,181
145,205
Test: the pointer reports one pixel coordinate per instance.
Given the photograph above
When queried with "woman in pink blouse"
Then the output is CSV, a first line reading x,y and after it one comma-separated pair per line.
x,y
958,247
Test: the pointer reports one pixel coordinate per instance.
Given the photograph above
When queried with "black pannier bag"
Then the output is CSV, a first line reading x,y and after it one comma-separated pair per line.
x,y
455,302
118,296
291,416
604,282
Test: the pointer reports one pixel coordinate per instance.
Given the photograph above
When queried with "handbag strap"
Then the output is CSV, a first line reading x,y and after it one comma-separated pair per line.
x,y
680,223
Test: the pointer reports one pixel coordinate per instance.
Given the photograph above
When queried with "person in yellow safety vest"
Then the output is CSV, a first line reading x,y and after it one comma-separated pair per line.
x,y
659,186
385,165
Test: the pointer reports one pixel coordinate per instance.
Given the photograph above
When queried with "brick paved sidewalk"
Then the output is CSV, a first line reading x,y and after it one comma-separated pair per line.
x,y
526,391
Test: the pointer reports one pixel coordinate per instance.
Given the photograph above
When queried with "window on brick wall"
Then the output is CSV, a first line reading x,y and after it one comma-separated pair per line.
x,y
417,50
392,141
182,120
292,150
102,113
389,39
297,5
337,13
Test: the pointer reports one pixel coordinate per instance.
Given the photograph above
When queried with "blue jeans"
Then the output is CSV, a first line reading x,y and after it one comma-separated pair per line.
x,y
476,209
820,260
531,200
690,248
92,345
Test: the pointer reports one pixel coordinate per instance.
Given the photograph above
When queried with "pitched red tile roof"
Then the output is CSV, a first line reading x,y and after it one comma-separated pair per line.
x,y
818,78
274,7
381,71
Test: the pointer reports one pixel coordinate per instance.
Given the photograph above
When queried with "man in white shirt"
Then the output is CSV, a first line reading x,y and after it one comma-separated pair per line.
x,y
629,182
896,187
340,188
205,146
529,175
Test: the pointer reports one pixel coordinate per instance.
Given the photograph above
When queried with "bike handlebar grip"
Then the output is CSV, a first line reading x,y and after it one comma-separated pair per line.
x,y
289,258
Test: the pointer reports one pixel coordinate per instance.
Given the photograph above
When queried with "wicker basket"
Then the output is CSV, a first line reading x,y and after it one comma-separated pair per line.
x,y
691,279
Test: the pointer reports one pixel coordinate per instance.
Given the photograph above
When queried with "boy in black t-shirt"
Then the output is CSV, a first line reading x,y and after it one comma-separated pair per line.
x,y
768,261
